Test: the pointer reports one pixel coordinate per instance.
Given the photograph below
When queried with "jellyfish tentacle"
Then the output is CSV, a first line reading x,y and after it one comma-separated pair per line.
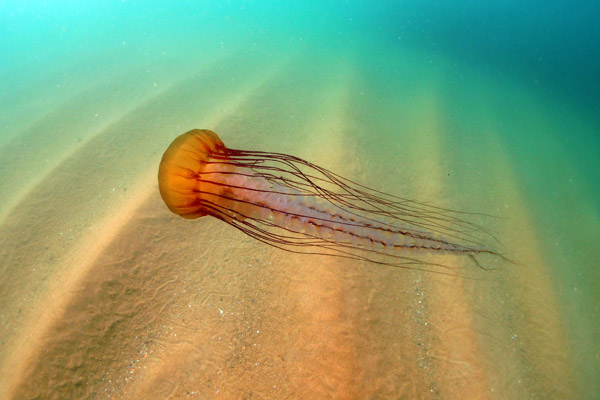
x,y
378,203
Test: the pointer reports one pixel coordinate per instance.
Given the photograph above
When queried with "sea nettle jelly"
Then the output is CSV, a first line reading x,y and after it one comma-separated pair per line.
x,y
297,206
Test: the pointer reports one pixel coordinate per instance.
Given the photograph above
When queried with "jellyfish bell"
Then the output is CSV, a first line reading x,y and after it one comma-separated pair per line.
x,y
291,204
198,177
179,170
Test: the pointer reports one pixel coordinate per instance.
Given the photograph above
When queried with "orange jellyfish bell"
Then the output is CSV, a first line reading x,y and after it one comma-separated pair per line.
x,y
180,167
289,203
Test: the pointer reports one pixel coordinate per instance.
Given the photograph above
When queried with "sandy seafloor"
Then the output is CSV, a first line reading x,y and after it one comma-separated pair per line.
x,y
106,294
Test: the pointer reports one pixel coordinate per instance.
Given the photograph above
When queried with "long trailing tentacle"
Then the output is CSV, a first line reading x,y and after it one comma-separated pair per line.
x,y
286,170
373,210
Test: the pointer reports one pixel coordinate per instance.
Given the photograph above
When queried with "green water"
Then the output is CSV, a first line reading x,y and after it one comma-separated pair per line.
x,y
488,108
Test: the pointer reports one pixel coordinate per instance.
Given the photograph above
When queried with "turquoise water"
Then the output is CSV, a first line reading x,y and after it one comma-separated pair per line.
x,y
486,108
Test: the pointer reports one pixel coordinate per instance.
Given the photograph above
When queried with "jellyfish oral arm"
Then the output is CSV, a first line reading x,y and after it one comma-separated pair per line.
x,y
245,197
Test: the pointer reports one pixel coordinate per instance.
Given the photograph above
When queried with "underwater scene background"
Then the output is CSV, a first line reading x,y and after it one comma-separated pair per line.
x,y
485,107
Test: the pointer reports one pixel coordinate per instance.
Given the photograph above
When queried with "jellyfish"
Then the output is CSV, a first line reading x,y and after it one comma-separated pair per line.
x,y
294,205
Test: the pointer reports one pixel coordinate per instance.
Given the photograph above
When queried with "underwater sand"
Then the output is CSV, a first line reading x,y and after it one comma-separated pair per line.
x,y
104,292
